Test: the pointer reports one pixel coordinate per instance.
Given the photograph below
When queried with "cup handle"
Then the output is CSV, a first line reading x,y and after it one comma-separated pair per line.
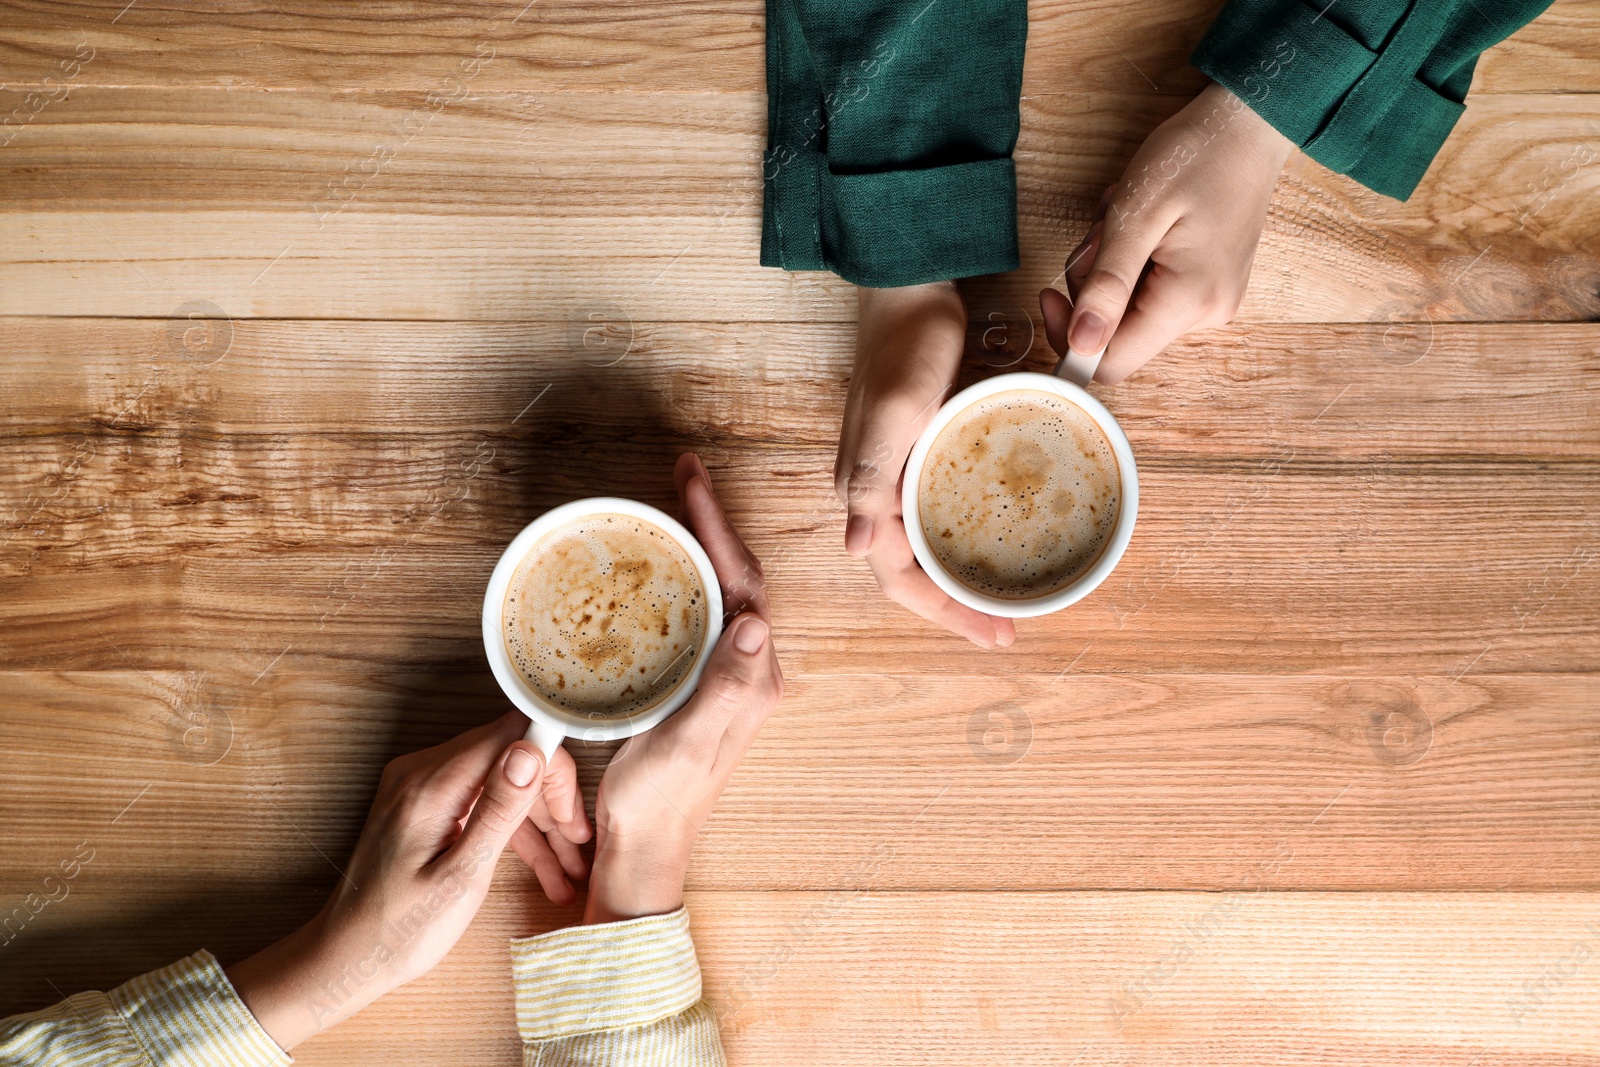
x,y
1078,368
546,738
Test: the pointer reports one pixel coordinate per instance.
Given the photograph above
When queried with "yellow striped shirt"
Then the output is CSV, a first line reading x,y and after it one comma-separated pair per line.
x,y
623,993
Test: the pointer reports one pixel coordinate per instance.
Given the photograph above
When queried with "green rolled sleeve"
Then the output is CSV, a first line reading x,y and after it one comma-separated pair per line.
x,y
1368,88
890,128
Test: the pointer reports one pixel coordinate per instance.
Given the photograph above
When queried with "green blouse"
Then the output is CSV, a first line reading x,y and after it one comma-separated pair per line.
x,y
1368,88
890,126
890,123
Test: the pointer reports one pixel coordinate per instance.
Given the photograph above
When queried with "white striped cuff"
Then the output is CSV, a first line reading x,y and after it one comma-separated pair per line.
x,y
187,1015
586,979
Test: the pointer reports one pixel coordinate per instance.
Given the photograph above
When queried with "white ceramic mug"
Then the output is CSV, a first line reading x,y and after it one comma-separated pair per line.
x,y
1074,372
551,724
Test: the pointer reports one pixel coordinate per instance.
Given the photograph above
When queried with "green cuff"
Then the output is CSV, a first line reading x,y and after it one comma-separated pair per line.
x,y
612,976
892,228
188,1015
1356,111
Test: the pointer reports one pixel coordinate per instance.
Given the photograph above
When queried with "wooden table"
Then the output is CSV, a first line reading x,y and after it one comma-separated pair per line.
x,y
292,347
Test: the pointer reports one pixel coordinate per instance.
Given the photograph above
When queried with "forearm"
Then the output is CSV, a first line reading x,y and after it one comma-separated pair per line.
x,y
301,985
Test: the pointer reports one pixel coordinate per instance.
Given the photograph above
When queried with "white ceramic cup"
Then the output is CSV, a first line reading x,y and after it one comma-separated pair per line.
x,y
551,724
1074,372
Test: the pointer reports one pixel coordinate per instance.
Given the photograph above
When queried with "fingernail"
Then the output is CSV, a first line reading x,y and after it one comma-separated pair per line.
x,y
751,635
858,535
704,472
1088,334
521,766
1003,639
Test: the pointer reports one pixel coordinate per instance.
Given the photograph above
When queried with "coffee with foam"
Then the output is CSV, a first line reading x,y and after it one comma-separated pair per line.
x,y
1019,495
605,617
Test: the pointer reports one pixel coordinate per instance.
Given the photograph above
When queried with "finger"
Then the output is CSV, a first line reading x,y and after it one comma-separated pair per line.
x,y
571,857
540,817
562,800
1057,312
536,852
508,793
1081,262
1128,237
871,486
907,584
1082,258
738,571
746,723
566,849
458,766
1167,306
741,681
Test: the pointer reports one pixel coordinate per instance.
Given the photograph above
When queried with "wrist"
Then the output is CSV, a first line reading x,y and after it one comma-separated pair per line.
x,y
1269,146
310,981
944,295
630,884
273,985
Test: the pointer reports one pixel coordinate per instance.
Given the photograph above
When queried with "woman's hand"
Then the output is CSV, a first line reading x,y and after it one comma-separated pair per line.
x,y
662,784
908,348
418,875
1175,239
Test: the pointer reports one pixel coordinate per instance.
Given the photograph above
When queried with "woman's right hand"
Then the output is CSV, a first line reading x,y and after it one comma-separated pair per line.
x,y
1172,249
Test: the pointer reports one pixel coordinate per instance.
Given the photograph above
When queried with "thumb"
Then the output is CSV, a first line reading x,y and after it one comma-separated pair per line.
x,y
869,491
1128,237
741,685
870,485
509,792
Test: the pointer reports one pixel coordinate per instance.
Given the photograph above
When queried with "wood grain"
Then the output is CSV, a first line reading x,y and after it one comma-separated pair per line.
x,y
1281,556
289,354
1271,567
1372,391
1030,978
1073,781
581,45
514,206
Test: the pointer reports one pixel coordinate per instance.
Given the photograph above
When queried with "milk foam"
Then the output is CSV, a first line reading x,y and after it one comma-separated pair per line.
x,y
1019,495
605,616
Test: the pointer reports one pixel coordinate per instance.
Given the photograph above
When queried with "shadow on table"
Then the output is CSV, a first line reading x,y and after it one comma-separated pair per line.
x,y
594,427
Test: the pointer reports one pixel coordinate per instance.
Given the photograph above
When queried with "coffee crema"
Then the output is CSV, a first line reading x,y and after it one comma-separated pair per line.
x,y
1019,495
605,616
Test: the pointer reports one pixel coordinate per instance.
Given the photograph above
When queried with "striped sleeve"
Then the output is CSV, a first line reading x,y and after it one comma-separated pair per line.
x,y
624,993
185,1015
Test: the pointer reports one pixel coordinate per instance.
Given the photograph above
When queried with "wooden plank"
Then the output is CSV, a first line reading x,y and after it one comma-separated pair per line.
x,y
1348,664
1022,979
512,206
1269,568
704,45
356,547
1435,979
1379,390
1083,781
